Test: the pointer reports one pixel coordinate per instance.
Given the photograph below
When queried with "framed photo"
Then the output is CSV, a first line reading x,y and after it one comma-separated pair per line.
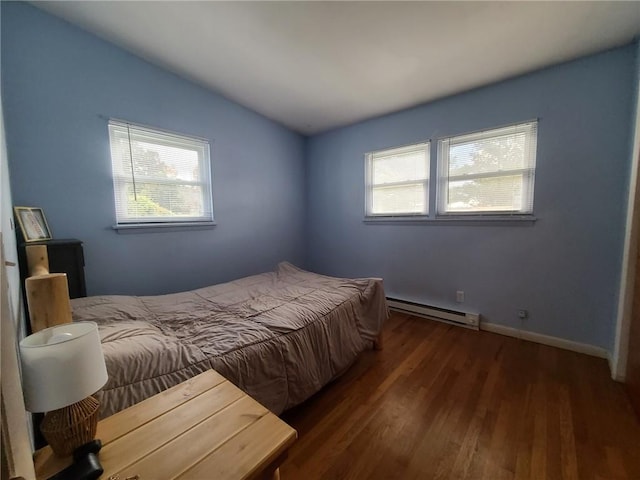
x,y
32,223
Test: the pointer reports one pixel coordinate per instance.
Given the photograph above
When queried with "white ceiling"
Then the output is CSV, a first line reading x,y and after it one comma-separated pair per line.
x,y
314,66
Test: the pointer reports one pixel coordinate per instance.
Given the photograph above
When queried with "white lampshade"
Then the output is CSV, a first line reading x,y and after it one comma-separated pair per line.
x,y
61,365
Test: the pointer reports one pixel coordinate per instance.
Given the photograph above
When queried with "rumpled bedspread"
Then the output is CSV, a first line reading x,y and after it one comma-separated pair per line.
x,y
279,336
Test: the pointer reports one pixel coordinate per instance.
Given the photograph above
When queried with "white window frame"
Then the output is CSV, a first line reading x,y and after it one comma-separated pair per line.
x,y
370,186
121,178
528,172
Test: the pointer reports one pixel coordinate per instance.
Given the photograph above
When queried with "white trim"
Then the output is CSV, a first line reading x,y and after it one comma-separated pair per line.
x,y
371,157
483,130
445,179
455,220
545,339
142,126
133,226
618,361
611,368
121,137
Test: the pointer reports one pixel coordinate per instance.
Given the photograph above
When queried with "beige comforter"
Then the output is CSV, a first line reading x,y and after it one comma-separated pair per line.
x,y
280,336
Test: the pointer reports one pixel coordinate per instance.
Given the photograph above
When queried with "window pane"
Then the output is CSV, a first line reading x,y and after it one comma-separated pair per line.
x,y
161,161
164,200
399,199
400,167
485,194
159,176
506,152
488,171
397,181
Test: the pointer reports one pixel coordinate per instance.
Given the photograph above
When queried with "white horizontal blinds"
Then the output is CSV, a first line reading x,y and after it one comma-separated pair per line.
x,y
488,172
398,181
159,177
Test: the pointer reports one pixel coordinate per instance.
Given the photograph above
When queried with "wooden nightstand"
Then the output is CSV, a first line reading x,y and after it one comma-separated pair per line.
x,y
203,428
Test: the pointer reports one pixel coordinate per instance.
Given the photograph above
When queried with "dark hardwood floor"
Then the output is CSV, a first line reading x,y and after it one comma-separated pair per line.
x,y
444,402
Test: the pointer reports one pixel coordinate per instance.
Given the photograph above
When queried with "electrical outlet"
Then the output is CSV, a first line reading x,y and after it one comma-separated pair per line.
x,y
523,314
460,296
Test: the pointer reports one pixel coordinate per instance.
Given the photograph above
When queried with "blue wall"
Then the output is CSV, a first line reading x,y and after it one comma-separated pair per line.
x,y
564,268
58,81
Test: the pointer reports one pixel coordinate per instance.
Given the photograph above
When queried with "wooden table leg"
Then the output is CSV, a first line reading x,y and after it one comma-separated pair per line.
x,y
272,472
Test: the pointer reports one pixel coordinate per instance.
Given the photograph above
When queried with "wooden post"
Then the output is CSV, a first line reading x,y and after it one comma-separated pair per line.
x,y
37,260
48,300
47,293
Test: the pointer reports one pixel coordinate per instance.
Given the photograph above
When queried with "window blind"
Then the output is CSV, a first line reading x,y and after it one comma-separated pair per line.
x,y
489,172
159,177
398,181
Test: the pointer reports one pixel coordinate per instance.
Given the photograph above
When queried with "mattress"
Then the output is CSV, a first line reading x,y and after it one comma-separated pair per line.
x,y
279,336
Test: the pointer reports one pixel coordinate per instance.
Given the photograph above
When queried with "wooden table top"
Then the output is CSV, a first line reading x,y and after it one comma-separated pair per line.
x,y
205,427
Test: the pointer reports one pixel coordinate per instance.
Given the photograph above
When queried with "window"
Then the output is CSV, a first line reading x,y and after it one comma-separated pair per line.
x,y
490,172
159,177
397,181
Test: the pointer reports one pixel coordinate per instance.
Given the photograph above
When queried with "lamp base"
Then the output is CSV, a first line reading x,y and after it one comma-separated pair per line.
x,y
71,427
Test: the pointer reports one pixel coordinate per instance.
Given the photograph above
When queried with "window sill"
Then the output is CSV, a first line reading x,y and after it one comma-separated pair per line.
x,y
162,227
483,220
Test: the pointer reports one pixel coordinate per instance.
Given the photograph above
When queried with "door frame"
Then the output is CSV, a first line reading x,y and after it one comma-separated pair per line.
x,y
618,360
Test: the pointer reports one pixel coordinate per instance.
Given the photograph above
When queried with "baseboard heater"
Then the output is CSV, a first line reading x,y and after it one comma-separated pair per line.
x,y
463,319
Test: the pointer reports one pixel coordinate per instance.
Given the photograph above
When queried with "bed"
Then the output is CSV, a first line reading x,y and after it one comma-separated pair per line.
x,y
280,336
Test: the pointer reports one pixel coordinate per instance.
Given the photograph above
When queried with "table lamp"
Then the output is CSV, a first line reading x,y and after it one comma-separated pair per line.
x,y
62,367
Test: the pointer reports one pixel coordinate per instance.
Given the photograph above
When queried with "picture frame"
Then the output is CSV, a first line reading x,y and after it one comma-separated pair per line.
x,y
33,224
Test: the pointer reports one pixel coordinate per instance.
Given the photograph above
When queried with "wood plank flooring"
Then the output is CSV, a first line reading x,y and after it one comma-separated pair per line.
x,y
444,402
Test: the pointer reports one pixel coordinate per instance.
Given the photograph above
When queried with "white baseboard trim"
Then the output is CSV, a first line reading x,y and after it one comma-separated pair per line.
x,y
616,376
546,340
